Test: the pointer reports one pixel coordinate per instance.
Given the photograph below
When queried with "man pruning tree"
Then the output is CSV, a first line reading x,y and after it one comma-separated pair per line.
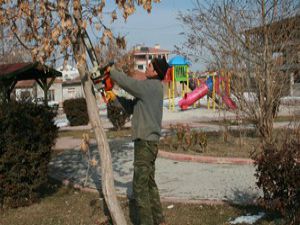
x,y
147,108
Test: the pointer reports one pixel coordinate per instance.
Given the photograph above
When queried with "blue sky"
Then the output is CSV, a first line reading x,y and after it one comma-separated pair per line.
x,y
158,27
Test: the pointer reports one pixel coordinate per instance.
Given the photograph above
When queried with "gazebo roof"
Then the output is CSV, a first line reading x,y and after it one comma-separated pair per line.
x,y
26,71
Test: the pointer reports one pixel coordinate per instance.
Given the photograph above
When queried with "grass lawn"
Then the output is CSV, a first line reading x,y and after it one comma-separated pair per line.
x,y
66,206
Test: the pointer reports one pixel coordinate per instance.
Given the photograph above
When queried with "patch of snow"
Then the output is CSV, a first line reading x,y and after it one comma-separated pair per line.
x,y
129,145
167,101
250,96
291,98
170,207
53,103
249,219
61,122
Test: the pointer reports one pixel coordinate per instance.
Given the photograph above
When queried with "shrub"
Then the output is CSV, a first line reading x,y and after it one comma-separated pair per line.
x,y
182,137
118,112
278,173
76,111
27,133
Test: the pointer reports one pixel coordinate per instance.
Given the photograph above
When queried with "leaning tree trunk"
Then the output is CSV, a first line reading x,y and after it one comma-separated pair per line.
x,y
107,179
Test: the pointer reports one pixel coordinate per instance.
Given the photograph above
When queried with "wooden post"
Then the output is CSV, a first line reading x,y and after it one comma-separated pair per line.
x,y
173,88
45,86
169,94
214,93
187,79
9,87
208,99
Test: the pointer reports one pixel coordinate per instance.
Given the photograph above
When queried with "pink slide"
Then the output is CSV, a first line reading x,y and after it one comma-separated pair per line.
x,y
229,102
193,96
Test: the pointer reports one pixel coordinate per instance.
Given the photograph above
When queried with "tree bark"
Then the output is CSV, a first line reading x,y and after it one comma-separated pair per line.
x,y
107,179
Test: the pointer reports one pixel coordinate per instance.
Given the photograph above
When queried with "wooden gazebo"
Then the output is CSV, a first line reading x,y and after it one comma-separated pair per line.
x,y
10,74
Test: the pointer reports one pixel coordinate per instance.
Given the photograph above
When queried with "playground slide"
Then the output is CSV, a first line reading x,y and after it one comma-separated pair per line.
x,y
201,91
228,102
193,96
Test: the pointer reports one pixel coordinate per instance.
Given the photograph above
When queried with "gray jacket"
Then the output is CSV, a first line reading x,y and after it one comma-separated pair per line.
x,y
147,107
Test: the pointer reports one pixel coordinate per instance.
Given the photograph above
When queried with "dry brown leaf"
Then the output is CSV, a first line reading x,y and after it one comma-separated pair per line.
x,y
93,162
114,16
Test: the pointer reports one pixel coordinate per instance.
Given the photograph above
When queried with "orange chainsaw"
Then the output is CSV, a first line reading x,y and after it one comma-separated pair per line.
x,y
104,84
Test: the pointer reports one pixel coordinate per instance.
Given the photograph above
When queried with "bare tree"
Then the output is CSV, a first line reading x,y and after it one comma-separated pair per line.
x,y
246,39
111,52
10,49
58,28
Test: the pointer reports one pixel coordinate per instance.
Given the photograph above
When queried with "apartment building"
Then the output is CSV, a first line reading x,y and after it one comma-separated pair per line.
x,y
143,55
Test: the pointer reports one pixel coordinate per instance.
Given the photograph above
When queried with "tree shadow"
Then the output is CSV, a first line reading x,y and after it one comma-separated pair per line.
x,y
247,203
243,197
71,165
49,188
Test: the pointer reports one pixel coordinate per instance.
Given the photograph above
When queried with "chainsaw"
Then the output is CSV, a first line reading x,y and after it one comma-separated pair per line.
x,y
100,76
104,84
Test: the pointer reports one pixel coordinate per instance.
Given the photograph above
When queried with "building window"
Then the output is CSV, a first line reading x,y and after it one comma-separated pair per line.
x,y
140,57
150,57
71,92
159,56
140,67
51,95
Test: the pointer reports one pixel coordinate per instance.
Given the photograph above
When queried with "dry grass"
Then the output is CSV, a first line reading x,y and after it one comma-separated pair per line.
x,y
67,206
60,205
233,122
110,133
229,144
241,144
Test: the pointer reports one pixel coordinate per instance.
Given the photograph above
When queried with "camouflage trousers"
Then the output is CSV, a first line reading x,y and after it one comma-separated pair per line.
x,y
144,187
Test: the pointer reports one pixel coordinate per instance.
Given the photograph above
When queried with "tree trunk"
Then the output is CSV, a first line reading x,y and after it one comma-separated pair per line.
x,y
107,179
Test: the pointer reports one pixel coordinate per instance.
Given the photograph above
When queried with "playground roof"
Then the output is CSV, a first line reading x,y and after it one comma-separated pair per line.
x,y
178,60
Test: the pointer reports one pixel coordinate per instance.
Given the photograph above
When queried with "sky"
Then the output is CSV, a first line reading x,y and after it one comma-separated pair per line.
x,y
158,27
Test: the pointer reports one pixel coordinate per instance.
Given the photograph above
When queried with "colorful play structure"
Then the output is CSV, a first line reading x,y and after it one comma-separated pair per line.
x,y
216,86
178,72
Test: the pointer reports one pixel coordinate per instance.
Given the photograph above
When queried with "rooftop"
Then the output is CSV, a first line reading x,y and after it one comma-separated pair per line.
x,y
26,71
142,50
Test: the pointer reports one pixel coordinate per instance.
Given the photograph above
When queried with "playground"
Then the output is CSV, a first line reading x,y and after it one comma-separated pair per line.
x,y
214,85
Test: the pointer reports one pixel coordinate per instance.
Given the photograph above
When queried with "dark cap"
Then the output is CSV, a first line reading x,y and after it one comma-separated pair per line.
x,y
160,66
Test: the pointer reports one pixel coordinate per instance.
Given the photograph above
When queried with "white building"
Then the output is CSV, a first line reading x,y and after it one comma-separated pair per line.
x,y
69,72
67,87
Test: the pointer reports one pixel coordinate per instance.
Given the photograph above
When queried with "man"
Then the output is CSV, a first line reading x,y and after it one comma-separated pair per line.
x,y
147,108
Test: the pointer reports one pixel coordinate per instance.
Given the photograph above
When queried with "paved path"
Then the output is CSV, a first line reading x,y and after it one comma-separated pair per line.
x,y
176,179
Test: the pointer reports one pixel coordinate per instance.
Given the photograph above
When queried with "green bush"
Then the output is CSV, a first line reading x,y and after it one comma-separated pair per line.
x,y
27,133
76,111
278,173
